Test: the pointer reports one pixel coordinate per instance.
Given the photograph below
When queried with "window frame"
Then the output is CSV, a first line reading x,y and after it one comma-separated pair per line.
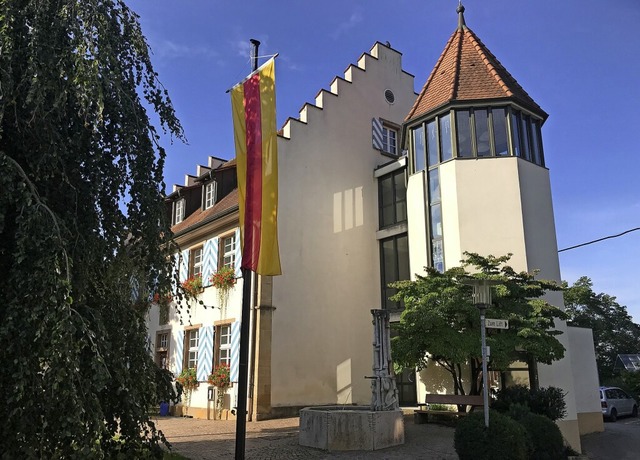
x,y
394,177
210,193
387,129
196,268
188,349
178,210
163,351
386,303
219,346
224,254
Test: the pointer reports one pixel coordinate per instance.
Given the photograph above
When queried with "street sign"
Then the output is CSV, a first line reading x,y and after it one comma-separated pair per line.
x,y
497,323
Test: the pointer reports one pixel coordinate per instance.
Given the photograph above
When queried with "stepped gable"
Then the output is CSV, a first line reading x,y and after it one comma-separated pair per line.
x,y
467,71
349,74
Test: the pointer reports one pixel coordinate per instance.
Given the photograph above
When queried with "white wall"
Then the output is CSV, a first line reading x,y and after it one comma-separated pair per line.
x,y
328,218
585,370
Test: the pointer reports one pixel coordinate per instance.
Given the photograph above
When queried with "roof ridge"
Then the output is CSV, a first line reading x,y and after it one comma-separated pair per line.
x,y
431,76
455,81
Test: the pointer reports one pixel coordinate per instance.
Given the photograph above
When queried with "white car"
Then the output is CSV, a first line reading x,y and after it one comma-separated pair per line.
x,y
615,402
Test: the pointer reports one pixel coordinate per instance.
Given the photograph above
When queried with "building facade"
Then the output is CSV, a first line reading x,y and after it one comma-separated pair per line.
x,y
375,183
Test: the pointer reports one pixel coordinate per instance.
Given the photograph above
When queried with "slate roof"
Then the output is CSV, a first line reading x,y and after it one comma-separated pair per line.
x,y
468,71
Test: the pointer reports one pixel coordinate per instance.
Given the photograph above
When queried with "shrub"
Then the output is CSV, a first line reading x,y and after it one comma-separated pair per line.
x,y
505,438
506,397
544,437
549,402
543,401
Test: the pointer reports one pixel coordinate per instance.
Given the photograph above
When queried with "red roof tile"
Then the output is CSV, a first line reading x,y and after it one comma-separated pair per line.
x,y
468,71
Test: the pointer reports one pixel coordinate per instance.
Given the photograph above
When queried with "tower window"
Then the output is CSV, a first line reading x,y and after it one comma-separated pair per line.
x,y
418,148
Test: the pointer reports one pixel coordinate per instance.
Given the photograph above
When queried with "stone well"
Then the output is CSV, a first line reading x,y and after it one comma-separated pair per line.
x,y
350,428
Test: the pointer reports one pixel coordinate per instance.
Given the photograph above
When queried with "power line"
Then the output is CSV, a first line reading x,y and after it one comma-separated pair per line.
x,y
599,239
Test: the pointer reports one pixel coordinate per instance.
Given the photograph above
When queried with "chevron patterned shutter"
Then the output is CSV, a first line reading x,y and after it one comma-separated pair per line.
x,y
238,255
235,350
205,352
178,354
210,260
184,265
376,133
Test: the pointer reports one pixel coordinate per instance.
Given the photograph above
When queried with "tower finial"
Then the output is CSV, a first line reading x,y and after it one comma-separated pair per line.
x,y
460,11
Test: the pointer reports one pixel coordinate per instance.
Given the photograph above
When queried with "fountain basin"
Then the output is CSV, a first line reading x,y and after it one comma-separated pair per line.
x,y
350,428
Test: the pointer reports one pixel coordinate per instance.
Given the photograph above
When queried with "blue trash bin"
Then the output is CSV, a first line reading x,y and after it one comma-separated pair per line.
x,y
164,409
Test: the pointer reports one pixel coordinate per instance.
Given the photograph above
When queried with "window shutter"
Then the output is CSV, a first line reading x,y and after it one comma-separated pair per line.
x,y
235,350
178,352
205,352
210,256
184,266
135,288
376,134
238,258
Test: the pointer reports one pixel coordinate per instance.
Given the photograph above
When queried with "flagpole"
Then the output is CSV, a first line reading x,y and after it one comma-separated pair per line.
x,y
243,364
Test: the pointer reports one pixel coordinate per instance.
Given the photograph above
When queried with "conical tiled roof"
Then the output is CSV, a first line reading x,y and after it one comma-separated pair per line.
x,y
468,71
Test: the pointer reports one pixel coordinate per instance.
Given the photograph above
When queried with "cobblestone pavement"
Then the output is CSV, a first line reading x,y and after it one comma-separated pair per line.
x,y
278,439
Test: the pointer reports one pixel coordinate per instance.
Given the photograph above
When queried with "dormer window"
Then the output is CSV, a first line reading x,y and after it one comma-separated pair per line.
x,y
210,192
178,211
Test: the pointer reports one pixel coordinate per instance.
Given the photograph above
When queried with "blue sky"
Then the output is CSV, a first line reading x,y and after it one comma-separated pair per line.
x,y
579,59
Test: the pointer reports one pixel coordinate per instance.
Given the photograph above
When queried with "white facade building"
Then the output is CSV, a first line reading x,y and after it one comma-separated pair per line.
x,y
356,212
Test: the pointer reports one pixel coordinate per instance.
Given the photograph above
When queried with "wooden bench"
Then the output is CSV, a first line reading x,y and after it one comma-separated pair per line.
x,y
422,414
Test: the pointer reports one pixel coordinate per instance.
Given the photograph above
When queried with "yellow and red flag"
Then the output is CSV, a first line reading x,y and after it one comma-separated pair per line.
x,y
254,120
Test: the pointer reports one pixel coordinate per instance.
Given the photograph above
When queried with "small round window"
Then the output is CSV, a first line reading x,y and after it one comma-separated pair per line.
x,y
389,96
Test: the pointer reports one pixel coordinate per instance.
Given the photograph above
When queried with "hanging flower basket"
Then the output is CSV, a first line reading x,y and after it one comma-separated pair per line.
x,y
189,381
192,286
223,280
221,379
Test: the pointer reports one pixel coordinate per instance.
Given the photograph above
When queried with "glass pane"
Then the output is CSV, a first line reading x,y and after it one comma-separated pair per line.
x,y
400,194
524,137
389,262
436,221
445,138
515,128
418,148
434,186
391,141
482,132
540,147
535,143
403,258
499,117
386,200
464,134
437,255
432,143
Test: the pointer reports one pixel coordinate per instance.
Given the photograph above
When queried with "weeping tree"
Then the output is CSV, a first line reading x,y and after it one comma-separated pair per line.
x,y
83,233
441,325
